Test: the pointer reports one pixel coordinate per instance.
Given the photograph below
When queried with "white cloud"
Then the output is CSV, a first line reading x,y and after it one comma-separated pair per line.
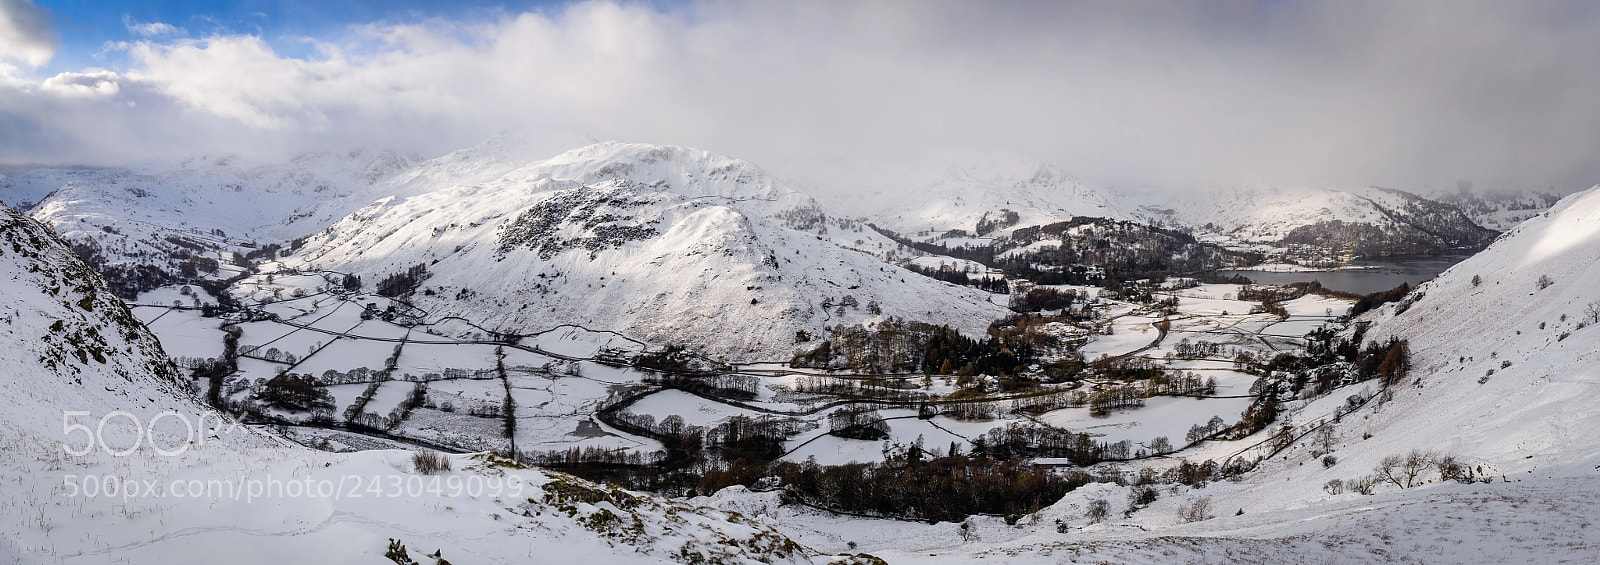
x,y
1388,93
25,35
151,29
91,84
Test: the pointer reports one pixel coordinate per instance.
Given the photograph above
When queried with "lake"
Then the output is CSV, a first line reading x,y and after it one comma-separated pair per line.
x,y
1384,274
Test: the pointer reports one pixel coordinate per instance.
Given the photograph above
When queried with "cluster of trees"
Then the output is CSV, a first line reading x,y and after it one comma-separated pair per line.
x,y
1427,231
1044,298
946,273
883,388
1017,440
270,354
810,219
1201,432
753,440
1126,368
858,423
295,392
724,385
1121,250
675,359
1270,297
193,266
1414,468
404,282
982,254
1262,293
268,251
592,455
1376,299
1050,335
916,484
1202,349
695,459
899,346
1331,361
1106,399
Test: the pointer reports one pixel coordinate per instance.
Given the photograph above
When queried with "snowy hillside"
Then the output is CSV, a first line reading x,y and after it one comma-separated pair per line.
x,y
69,343
106,459
145,222
665,244
1320,222
975,194
1521,317
1499,210
23,190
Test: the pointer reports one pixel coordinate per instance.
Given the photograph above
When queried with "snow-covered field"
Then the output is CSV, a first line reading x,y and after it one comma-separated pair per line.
x,y
1165,416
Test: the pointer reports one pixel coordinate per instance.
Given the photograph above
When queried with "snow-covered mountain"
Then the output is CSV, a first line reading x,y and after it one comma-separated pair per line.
x,y
1498,209
667,244
1326,222
107,458
981,195
26,188
137,222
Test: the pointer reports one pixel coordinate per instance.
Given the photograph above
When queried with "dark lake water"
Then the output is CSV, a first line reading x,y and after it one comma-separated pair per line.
x,y
1386,274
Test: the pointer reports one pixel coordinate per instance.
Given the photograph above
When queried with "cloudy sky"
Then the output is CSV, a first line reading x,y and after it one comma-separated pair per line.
x,y
1176,94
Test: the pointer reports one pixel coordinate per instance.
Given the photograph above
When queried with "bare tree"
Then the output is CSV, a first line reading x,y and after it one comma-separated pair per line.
x,y
1325,438
1406,471
1363,485
1196,511
1161,445
1098,510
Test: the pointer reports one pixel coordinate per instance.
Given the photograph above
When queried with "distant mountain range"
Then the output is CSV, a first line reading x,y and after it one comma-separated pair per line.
x,y
666,243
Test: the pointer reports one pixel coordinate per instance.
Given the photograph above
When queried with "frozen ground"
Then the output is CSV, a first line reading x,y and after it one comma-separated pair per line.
x,y
1162,416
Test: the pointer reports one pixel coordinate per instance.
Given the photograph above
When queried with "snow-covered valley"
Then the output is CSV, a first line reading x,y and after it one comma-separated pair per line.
x,y
684,325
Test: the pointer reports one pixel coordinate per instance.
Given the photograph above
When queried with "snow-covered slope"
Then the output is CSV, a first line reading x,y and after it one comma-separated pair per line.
x,y
666,244
213,191
23,189
974,194
68,343
1541,341
1366,221
1499,209
159,213
105,458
